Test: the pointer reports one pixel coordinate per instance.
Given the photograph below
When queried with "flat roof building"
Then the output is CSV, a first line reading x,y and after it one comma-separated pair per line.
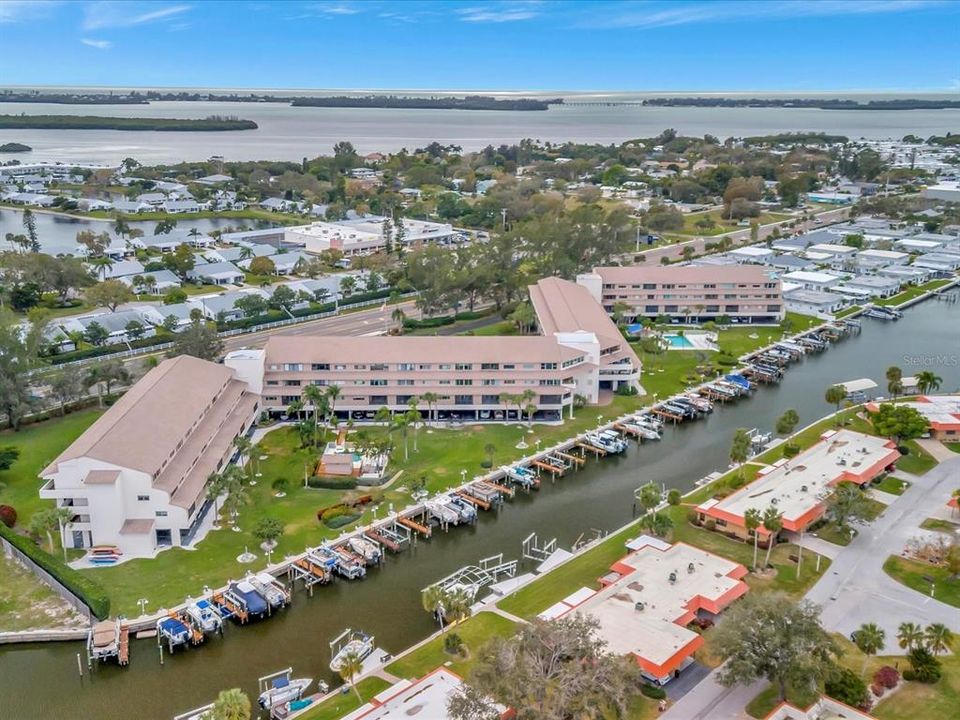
x,y
876,285
812,280
696,294
813,302
941,411
649,598
798,487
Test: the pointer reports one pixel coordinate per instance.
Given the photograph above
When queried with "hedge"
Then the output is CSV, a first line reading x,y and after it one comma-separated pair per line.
x,y
332,483
652,691
90,592
441,320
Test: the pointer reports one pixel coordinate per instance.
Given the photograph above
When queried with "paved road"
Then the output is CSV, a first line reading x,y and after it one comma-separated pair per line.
x,y
857,590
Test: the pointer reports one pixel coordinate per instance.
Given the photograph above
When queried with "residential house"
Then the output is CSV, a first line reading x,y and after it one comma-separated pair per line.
x,y
218,273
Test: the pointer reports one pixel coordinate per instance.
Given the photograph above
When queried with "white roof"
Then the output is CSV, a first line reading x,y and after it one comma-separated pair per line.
x,y
860,385
832,249
811,276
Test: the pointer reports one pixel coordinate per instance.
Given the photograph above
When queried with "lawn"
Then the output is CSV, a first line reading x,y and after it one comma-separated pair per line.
x,y
914,574
940,525
339,705
953,446
474,632
28,604
852,310
722,226
831,533
938,701
918,461
892,485
912,292
39,444
504,327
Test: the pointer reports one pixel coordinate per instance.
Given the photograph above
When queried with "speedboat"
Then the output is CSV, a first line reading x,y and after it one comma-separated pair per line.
x,y
358,643
283,690
367,549
266,585
204,616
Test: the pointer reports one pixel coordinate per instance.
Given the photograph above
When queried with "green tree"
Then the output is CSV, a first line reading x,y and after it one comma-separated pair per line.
x,y
109,294
231,705
835,395
523,317
909,636
650,498
351,665
938,638
181,261
8,456
431,399
928,382
262,266
740,449
899,422
752,519
772,523
268,530
45,522
66,385
768,636
894,381
787,422
848,504
30,225
869,639
199,339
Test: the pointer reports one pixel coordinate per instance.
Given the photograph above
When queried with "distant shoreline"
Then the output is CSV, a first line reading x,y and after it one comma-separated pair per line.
x,y
92,122
812,103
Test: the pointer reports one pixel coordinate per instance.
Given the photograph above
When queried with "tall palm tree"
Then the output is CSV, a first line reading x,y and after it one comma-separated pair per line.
x,y
928,381
314,395
216,484
413,414
938,637
398,316
772,523
894,381
457,606
231,705
350,666
432,600
401,423
243,444
246,253
909,636
431,399
752,519
236,489
102,265
869,640
333,394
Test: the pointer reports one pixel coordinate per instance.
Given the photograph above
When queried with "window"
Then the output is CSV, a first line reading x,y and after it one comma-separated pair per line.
x,y
649,286
445,366
359,367
424,367
404,382
161,513
293,367
463,399
320,366
509,366
339,367
489,366
405,367
379,366
548,366
651,309
731,308
143,498
549,382
464,366
490,400
293,383
670,308
273,382
378,383
462,382
489,382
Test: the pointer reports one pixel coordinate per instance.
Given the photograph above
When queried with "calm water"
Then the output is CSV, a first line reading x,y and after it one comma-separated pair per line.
x,y
289,133
387,603
58,234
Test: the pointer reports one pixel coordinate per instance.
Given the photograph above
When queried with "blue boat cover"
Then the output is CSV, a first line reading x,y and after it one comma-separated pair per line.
x,y
281,682
255,602
172,626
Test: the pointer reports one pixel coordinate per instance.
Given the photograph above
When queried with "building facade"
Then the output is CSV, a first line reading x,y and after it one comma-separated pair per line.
x,y
689,294
137,477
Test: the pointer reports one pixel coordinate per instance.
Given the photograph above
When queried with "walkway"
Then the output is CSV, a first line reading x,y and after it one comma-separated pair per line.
x,y
712,701
939,451
857,590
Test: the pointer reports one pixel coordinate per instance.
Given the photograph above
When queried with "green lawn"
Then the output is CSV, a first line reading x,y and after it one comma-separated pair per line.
x,y
892,485
913,574
339,705
722,226
852,310
940,525
952,446
28,604
914,291
918,461
39,444
474,632
504,327
764,703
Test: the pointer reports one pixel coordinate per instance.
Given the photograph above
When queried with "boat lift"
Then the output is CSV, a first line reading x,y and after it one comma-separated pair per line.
x,y
532,550
472,578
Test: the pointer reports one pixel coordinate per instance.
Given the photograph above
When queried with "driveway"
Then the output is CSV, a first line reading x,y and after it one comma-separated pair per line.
x,y
856,590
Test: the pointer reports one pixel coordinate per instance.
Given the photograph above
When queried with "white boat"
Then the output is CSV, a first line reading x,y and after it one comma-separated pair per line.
x,y
350,642
265,584
365,548
204,616
466,511
283,691
519,474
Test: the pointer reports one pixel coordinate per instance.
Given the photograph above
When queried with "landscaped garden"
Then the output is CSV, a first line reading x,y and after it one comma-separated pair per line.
x,y
346,702
914,291
927,579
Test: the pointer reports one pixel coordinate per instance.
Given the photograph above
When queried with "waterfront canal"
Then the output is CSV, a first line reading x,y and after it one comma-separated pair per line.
x,y
41,681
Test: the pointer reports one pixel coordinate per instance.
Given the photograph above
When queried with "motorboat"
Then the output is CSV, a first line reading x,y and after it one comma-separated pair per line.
x,y
204,616
350,642
283,690
252,601
365,548
266,585
466,511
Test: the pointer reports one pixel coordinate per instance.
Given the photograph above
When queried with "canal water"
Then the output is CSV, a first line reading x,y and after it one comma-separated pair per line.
x,y
41,681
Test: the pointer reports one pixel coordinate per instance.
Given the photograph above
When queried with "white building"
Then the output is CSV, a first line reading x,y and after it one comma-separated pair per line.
x,y
818,281
949,191
813,302
137,477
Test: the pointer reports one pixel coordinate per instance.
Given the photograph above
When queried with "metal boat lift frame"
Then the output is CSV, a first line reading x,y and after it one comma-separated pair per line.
x,y
474,577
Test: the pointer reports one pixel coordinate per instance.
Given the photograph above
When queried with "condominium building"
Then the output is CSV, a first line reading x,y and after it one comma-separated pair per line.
x,y
689,294
797,488
137,477
580,352
366,235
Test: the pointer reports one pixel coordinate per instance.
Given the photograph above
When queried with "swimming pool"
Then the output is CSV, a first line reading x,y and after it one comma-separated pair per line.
x,y
678,342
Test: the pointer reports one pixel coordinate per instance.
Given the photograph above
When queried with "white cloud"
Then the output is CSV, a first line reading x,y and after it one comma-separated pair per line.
x,y
99,44
648,14
111,14
12,11
500,12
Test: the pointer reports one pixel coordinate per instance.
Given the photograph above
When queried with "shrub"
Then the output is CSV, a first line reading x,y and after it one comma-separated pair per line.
x,y
453,644
486,464
926,667
887,677
8,515
673,497
845,685
710,524
653,692
626,390
340,521
88,590
692,517
791,450
333,483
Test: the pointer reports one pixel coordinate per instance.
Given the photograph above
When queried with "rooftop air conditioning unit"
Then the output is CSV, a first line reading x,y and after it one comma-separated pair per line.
x,y
691,567
639,606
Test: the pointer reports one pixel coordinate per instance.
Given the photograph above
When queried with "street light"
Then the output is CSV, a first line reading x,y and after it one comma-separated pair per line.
x,y
143,602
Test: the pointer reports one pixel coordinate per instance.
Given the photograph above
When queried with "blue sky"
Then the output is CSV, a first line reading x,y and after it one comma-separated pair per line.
x,y
703,45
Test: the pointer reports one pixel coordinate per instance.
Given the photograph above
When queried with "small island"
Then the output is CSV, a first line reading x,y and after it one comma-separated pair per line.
x,y
214,123
812,103
470,102
14,147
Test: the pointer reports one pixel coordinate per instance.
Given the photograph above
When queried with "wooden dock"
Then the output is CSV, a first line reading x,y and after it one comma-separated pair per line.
x,y
414,525
667,414
575,459
123,653
588,447
502,489
473,500
620,427
553,469
383,540
238,612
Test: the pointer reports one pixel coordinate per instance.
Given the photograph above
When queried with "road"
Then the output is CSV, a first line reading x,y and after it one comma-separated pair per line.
x,y
739,237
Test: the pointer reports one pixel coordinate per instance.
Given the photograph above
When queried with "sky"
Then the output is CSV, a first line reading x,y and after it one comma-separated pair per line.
x,y
634,45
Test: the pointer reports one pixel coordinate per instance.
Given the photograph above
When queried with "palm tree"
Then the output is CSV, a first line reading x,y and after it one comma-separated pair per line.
x,y
457,606
489,449
894,381
524,398
432,599
46,521
413,415
401,422
869,640
216,484
294,409
938,637
350,666
772,523
909,636
835,395
752,519
314,395
740,448
243,444
236,489
506,399
102,264
231,705
928,381
531,410
430,398
246,253
398,316
333,394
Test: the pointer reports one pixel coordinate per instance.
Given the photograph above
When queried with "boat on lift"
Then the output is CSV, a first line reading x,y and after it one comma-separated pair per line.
x,y
365,548
204,616
283,690
350,642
